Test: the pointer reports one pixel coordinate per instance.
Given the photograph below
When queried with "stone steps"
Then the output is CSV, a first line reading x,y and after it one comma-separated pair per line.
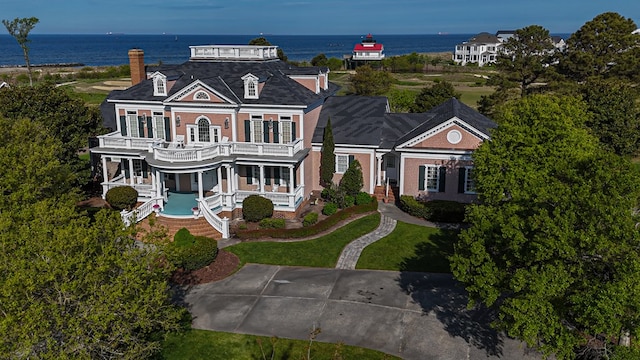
x,y
198,227
379,193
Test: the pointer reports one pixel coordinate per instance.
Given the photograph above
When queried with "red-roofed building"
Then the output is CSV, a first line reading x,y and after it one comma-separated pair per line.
x,y
367,50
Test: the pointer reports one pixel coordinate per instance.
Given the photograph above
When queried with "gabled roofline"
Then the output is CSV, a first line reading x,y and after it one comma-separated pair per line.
x,y
440,127
191,88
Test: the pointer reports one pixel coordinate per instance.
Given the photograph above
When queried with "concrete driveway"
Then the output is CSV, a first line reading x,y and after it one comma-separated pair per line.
x,y
411,315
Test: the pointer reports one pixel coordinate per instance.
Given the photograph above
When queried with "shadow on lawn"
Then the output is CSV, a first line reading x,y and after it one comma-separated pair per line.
x,y
445,297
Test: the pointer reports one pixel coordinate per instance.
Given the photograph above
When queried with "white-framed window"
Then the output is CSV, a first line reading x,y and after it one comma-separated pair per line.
x,y
132,123
250,86
201,95
257,128
159,86
203,132
432,177
285,129
158,125
342,163
469,186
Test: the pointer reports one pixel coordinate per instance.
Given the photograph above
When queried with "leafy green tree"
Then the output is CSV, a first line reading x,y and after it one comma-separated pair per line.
x,y
327,157
526,56
334,63
615,114
262,41
401,100
434,95
604,46
67,119
552,244
320,60
351,183
20,28
71,288
370,82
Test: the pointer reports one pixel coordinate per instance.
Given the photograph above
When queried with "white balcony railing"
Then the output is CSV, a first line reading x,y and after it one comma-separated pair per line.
x,y
117,141
279,199
222,225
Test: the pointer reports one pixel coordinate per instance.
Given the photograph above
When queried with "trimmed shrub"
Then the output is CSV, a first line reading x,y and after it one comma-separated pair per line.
x,y
446,211
192,252
256,208
310,219
122,197
329,209
271,223
328,193
413,207
349,201
363,198
351,182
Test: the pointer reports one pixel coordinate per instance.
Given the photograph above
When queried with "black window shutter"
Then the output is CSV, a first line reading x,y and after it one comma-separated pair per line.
x,y
267,176
125,165
144,169
140,127
421,177
276,137
265,132
293,131
442,180
276,176
123,125
150,127
249,170
167,128
351,158
461,178
247,130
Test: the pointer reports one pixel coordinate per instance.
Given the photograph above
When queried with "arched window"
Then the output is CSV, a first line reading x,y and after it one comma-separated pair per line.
x,y
203,130
201,95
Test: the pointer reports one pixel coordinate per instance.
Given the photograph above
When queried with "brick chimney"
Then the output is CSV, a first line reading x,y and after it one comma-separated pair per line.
x,y
136,63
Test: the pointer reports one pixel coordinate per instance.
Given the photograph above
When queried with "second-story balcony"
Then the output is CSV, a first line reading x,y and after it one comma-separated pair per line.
x,y
177,152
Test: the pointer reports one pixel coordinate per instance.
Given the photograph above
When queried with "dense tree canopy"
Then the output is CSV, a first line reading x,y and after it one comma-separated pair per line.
x,y
553,244
604,46
526,56
65,118
369,82
262,41
434,95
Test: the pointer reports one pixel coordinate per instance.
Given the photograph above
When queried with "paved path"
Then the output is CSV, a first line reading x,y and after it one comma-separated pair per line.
x,y
351,253
415,316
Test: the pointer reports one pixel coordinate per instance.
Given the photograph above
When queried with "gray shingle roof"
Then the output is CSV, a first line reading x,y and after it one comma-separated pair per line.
x,y
365,120
225,77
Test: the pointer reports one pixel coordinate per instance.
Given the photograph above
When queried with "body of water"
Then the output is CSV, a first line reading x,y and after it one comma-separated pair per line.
x,y
111,49
97,50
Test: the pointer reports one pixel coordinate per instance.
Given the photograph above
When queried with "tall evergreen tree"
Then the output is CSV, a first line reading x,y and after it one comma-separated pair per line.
x,y
351,182
328,158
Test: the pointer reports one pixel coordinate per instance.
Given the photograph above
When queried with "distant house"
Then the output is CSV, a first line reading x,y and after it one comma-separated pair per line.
x,y
484,48
481,49
236,121
368,50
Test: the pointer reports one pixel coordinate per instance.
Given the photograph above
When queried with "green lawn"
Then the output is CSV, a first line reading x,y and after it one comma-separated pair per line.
x,y
410,248
213,345
320,252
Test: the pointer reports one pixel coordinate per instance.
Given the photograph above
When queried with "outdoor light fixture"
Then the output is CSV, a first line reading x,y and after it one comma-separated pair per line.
x,y
270,123
226,123
178,120
144,119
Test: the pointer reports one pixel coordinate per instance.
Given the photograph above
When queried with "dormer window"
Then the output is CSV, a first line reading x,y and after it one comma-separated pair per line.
x,y
159,85
250,86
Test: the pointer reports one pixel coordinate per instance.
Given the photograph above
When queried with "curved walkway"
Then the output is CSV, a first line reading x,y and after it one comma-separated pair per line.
x,y
351,253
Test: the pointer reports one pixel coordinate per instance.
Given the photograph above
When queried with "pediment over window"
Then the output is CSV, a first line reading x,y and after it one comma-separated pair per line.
x,y
200,92
453,134
251,90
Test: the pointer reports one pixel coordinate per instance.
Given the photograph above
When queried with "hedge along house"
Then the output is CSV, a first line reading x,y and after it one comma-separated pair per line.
x,y
426,155
230,122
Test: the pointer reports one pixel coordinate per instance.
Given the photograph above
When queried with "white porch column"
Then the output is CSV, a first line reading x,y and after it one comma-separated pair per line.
x,y
292,174
200,192
234,175
229,188
261,180
131,175
105,171
153,182
379,172
159,184
219,178
301,174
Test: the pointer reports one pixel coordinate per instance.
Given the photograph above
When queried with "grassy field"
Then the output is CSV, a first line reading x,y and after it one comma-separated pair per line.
x,y
410,248
213,345
321,252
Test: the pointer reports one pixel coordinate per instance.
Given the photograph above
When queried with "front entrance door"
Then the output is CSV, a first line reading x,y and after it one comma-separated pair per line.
x,y
391,168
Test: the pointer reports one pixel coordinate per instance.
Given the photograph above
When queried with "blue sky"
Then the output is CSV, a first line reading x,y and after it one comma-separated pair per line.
x,y
326,17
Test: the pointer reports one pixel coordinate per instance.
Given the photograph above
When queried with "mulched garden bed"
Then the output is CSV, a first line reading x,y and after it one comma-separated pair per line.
x,y
224,265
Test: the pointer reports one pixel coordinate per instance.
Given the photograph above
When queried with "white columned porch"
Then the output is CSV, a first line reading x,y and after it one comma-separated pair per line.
x,y
200,192
261,180
131,175
379,170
